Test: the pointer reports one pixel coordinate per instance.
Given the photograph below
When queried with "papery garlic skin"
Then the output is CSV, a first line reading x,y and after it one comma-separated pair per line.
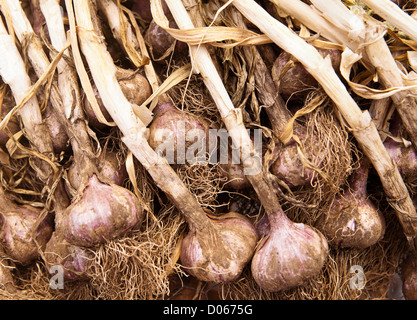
x,y
291,254
100,213
238,241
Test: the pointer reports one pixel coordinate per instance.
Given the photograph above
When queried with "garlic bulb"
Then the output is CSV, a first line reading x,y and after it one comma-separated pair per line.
x,y
135,87
289,166
353,220
73,259
219,255
20,239
111,169
99,213
293,81
290,254
173,132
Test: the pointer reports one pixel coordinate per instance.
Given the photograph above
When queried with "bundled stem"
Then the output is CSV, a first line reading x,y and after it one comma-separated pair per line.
x,y
301,262
359,121
67,107
123,32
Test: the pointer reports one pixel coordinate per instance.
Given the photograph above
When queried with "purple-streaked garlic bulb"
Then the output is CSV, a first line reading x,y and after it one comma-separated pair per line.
x,y
17,230
290,254
143,9
160,41
405,158
409,277
173,132
12,126
100,212
111,168
74,260
353,220
219,253
293,80
289,167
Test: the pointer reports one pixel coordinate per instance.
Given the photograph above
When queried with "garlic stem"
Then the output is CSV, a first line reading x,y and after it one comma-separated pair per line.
x,y
67,84
13,72
275,107
388,10
313,20
111,11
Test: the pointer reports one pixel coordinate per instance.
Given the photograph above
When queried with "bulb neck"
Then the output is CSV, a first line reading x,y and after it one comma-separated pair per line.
x,y
278,219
